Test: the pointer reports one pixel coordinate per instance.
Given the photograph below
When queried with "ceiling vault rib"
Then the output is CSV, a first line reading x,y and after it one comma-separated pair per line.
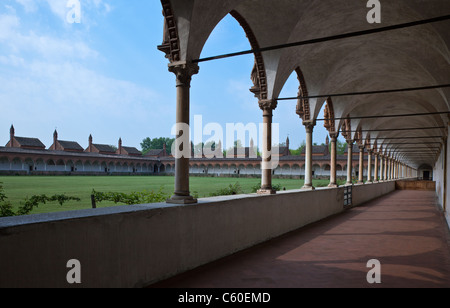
x,y
328,38
367,92
390,116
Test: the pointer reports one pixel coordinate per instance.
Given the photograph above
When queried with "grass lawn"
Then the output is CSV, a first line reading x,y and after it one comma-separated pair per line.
x,y
17,188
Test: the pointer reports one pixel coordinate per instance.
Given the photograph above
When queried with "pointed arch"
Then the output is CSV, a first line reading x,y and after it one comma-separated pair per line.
x,y
347,129
258,75
359,137
367,142
329,122
303,109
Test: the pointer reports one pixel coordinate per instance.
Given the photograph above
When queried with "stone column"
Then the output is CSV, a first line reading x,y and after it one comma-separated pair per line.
x,y
183,72
309,126
392,169
369,167
349,162
385,175
395,169
267,106
381,168
361,165
388,167
375,175
333,140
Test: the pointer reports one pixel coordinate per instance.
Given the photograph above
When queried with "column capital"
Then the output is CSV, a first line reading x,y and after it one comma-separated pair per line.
x,y
268,104
334,136
309,126
184,72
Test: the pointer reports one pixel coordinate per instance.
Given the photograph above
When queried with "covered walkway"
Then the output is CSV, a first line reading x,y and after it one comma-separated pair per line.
x,y
405,231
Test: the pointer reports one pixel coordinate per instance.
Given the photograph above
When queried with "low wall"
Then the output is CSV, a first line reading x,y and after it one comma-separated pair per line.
x,y
365,193
416,185
134,246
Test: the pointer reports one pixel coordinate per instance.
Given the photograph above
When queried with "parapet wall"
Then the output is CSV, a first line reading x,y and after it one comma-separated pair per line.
x,y
134,246
415,185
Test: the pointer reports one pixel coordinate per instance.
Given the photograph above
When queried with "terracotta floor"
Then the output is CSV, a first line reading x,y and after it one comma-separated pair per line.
x,y
404,231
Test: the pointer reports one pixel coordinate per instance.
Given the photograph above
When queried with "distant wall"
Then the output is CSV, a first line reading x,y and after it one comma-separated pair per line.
x,y
415,185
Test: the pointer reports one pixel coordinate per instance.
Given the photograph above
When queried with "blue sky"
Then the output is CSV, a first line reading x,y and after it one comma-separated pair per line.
x,y
105,76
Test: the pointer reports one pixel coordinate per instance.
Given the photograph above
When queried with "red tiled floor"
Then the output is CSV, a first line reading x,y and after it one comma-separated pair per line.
x,y
404,230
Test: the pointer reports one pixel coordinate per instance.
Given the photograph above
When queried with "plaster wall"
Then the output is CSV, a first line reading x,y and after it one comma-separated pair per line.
x,y
440,176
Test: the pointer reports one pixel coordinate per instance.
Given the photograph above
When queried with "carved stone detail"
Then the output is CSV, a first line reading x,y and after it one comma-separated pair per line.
x,y
171,44
347,131
268,104
303,109
184,72
329,122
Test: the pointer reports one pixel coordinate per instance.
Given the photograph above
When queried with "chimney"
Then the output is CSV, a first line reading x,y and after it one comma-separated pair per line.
x,y
120,146
55,138
11,136
90,143
164,149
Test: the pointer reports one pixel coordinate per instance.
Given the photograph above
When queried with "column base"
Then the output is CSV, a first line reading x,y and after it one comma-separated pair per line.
x,y
360,183
266,191
176,199
348,184
307,187
333,185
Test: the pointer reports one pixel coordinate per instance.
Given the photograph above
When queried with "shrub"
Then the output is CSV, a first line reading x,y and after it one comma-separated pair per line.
x,y
256,187
132,198
29,204
232,189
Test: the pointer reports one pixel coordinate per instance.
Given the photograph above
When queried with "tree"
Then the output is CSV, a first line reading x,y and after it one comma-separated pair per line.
x,y
156,144
340,147
235,149
298,152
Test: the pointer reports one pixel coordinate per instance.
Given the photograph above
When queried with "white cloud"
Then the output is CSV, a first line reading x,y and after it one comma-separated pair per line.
x,y
73,93
8,25
58,7
46,80
28,5
17,42
12,60
89,8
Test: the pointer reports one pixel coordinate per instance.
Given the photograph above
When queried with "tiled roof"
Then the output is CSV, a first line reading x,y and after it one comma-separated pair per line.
x,y
131,150
30,142
155,152
317,149
355,149
70,145
105,148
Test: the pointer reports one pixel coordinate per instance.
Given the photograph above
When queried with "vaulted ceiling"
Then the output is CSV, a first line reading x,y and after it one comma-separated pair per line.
x,y
416,56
